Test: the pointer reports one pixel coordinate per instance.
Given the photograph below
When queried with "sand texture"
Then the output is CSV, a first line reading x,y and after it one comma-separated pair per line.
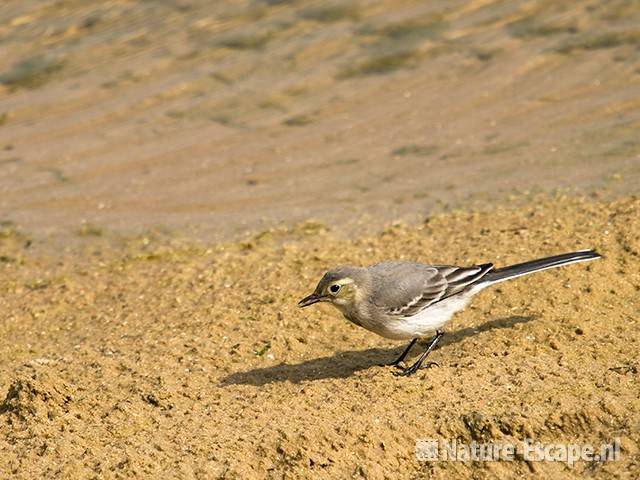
x,y
176,174
192,359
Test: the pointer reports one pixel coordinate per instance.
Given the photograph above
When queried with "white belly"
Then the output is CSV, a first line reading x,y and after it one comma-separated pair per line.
x,y
425,323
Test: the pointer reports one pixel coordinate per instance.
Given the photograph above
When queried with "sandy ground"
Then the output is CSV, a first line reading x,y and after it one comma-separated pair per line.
x,y
158,355
175,175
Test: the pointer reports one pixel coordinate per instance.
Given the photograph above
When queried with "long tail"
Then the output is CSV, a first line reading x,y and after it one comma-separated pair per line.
x,y
513,271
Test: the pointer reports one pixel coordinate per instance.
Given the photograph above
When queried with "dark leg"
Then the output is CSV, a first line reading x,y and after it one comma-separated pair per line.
x,y
402,356
416,366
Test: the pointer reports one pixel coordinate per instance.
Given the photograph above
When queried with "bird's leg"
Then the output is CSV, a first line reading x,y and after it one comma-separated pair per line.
x,y
416,366
402,356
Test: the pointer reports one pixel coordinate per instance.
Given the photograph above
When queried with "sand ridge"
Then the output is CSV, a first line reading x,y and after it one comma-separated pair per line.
x,y
230,116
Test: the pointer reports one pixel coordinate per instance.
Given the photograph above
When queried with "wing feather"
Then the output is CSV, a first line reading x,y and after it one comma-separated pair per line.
x,y
404,289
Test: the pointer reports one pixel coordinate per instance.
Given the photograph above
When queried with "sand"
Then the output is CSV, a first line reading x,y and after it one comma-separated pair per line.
x,y
154,356
176,175
226,116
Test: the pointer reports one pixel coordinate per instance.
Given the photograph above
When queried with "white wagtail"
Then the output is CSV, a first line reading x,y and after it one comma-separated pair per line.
x,y
407,300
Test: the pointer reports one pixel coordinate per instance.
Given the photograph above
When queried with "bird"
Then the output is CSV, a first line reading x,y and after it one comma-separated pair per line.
x,y
403,300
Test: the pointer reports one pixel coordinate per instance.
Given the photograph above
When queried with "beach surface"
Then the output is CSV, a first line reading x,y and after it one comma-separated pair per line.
x,y
175,176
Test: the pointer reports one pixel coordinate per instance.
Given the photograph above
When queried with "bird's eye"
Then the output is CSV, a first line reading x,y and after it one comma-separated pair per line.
x,y
334,288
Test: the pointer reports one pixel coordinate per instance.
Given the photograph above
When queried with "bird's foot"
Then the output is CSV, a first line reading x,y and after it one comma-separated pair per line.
x,y
405,372
430,364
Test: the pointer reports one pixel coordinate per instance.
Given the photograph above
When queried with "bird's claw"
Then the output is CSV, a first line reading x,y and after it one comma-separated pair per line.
x,y
430,364
413,369
405,372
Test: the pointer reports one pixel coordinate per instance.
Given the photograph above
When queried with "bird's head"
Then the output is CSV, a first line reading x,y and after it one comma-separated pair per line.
x,y
340,287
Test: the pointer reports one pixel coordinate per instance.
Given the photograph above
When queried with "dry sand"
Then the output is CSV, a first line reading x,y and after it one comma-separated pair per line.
x,y
160,166
154,356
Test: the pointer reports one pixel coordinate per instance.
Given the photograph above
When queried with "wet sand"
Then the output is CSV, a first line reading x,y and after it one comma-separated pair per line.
x,y
223,117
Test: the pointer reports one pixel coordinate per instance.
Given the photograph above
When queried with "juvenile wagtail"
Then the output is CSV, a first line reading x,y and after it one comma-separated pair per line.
x,y
407,300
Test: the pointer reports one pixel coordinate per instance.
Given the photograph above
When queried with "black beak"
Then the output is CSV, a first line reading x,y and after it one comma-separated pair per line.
x,y
309,300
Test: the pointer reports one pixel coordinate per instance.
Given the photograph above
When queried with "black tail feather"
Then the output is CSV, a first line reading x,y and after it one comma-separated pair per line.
x,y
525,268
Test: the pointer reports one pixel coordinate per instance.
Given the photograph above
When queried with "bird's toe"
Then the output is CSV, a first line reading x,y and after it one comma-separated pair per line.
x,y
430,364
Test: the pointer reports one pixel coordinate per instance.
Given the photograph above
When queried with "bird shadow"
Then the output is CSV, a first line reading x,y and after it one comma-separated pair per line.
x,y
344,364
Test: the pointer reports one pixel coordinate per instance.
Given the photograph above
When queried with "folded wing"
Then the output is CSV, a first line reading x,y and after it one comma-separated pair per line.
x,y
404,289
